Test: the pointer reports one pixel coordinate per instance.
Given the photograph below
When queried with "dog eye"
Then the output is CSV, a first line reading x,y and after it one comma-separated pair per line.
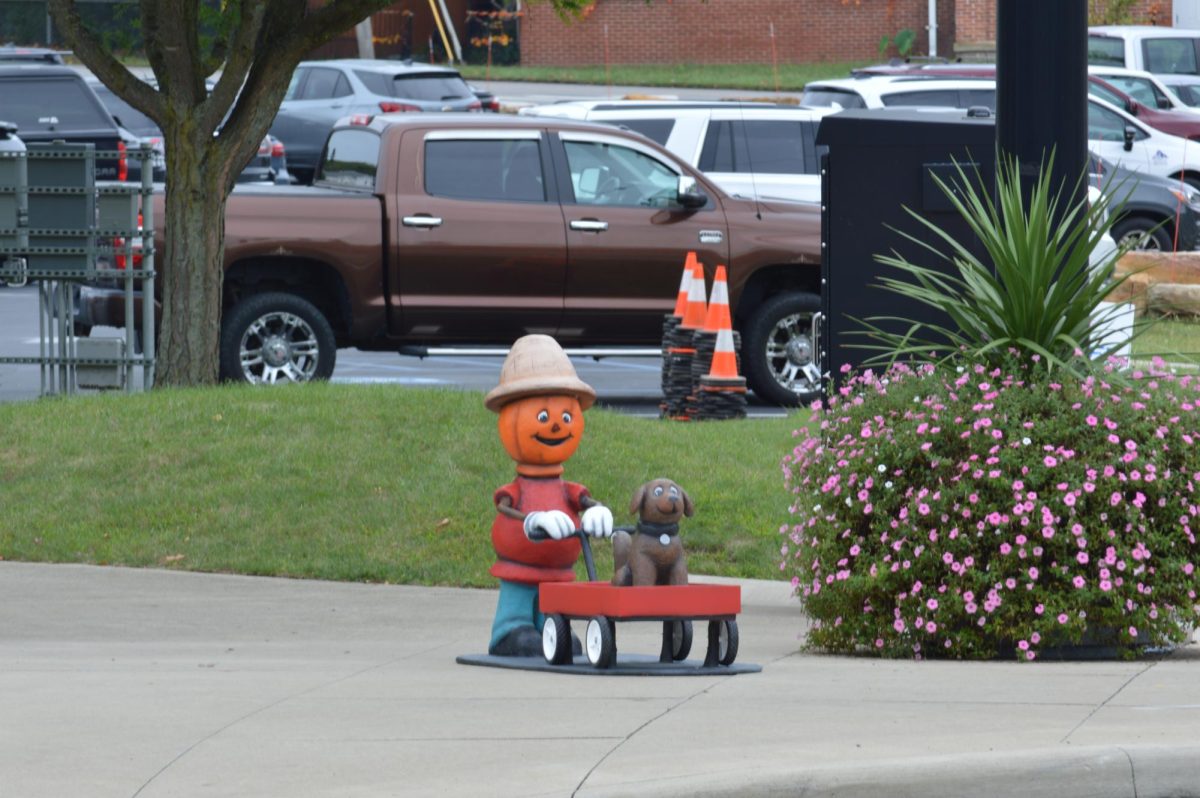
x,y
675,492
566,418
543,416
658,491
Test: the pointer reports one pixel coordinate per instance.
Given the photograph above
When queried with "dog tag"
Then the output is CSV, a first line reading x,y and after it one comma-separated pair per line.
x,y
664,539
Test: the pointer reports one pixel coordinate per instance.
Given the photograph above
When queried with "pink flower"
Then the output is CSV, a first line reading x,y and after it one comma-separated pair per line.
x,y
1133,631
1023,645
1039,609
1062,617
1049,461
1033,574
1091,421
898,625
1082,557
932,604
1078,582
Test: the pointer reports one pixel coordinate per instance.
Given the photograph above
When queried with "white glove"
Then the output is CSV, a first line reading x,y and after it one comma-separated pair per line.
x,y
554,523
597,521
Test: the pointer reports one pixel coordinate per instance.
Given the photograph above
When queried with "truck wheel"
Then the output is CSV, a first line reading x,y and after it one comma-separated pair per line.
x,y
1138,232
600,643
780,358
556,640
276,337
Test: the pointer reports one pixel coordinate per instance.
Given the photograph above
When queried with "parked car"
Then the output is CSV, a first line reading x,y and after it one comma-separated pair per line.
x,y
1184,87
1151,48
268,164
48,102
468,229
887,91
1150,104
748,149
1154,213
487,101
321,92
10,52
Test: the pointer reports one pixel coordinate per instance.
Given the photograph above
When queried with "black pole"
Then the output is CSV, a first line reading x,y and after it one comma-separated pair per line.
x,y
1041,90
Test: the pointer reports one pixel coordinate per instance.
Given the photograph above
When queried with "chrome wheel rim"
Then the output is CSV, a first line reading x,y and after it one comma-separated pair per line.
x,y
1141,241
790,353
279,347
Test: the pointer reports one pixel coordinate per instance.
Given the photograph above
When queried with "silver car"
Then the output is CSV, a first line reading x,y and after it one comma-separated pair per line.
x,y
322,92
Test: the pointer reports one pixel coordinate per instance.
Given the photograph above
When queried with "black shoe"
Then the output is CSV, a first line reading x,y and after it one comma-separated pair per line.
x,y
524,641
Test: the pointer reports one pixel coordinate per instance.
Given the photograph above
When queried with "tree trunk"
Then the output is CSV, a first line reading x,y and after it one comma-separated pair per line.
x,y
192,263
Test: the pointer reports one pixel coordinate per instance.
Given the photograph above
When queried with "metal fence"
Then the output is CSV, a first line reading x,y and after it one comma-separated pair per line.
x,y
62,229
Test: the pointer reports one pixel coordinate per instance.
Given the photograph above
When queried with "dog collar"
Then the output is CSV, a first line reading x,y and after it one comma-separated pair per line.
x,y
657,530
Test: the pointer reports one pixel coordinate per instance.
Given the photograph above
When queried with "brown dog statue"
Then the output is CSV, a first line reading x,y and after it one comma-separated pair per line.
x,y
652,554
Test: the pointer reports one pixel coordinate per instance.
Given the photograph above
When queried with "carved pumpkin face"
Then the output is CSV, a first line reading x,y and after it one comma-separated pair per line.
x,y
541,430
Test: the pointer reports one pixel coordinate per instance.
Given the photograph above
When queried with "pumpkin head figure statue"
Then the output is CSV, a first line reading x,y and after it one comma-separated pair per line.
x,y
540,401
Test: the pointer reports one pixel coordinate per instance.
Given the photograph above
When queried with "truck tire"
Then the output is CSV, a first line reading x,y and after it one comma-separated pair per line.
x,y
1142,233
276,337
775,346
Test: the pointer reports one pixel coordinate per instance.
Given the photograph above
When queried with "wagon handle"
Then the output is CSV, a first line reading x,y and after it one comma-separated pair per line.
x,y
588,562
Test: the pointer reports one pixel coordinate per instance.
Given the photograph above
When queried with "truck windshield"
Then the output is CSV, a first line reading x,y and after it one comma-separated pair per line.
x,y
48,104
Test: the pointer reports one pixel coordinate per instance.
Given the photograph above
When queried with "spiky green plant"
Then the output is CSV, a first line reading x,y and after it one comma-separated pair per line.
x,y
1036,292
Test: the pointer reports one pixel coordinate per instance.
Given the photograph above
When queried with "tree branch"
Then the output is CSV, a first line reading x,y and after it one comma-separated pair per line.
x,y
324,23
241,58
98,58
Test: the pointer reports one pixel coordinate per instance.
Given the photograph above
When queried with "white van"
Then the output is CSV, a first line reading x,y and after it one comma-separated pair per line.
x,y
752,150
1146,47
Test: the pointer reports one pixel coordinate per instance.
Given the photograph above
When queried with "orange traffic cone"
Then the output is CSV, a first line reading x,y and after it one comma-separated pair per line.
x,y
693,315
685,281
718,316
721,393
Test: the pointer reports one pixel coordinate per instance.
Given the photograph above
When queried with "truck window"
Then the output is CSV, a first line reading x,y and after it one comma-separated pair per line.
x,y
609,174
774,147
351,158
485,169
48,104
1170,55
1106,51
1104,125
657,130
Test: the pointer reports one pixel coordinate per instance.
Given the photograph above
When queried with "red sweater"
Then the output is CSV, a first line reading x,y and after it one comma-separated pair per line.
x,y
522,560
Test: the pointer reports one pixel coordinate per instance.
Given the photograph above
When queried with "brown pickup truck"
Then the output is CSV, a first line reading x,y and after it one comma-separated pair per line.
x,y
453,230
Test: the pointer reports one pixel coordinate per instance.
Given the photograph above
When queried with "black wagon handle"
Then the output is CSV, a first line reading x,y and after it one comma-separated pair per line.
x,y
538,534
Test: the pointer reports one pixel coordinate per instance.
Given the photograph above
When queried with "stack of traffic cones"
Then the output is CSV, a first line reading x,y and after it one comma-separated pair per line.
x,y
705,339
678,383
721,393
671,322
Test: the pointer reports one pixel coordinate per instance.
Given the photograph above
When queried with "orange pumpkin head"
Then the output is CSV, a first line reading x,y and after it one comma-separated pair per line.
x,y
541,432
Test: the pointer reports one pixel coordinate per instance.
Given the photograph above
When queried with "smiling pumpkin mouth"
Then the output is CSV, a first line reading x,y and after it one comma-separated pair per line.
x,y
552,441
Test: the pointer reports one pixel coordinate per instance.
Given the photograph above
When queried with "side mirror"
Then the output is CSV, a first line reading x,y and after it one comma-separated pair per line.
x,y
1164,104
1130,135
688,193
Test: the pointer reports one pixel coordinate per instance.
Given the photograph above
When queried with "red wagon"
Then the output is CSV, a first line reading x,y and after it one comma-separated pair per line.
x,y
601,605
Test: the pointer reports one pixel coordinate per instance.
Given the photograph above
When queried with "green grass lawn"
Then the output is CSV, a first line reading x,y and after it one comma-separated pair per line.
x,y
751,77
1175,340
348,482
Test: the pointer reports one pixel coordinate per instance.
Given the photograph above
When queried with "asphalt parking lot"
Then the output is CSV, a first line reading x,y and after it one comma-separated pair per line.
x,y
630,385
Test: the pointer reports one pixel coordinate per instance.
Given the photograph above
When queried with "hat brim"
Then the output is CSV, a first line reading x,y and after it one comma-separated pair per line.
x,y
538,386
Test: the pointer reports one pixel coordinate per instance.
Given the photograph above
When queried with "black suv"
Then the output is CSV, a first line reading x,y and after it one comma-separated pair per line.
x,y
48,102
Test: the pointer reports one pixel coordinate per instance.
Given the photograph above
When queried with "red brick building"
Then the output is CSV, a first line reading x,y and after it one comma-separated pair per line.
x,y
739,31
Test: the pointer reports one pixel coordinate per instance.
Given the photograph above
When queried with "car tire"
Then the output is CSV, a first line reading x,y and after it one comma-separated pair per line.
x,y
1143,233
276,337
775,344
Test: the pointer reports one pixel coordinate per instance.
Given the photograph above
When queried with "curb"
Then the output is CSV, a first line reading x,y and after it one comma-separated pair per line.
x,y
1152,771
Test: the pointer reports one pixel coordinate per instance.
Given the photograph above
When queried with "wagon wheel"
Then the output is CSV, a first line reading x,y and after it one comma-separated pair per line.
x,y
556,640
677,641
722,643
600,643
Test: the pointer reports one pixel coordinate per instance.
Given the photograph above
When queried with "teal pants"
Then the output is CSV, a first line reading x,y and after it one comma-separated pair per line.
x,y
517,606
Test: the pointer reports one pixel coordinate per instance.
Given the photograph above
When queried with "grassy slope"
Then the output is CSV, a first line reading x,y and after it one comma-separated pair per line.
x,y
347,482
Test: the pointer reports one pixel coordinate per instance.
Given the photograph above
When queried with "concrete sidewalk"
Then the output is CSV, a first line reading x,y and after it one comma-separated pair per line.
x,y
120,682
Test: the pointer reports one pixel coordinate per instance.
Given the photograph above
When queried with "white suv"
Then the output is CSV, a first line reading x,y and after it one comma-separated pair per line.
x,y
752,150
1148,47
886,91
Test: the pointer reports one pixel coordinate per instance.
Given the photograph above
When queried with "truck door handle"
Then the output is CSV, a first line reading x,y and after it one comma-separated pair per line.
x,y
422,221
590,225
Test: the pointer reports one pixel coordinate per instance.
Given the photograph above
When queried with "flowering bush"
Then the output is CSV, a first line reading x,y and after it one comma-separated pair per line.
x,y
973,511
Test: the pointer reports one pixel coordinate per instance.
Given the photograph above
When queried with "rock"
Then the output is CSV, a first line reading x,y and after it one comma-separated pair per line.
x,y
1174,298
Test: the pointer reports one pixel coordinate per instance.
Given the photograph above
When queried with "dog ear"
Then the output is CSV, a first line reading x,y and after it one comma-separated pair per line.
x,y
636,503
688,508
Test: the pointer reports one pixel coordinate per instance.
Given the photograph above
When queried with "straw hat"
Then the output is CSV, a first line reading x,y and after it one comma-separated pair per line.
x,y
535,365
